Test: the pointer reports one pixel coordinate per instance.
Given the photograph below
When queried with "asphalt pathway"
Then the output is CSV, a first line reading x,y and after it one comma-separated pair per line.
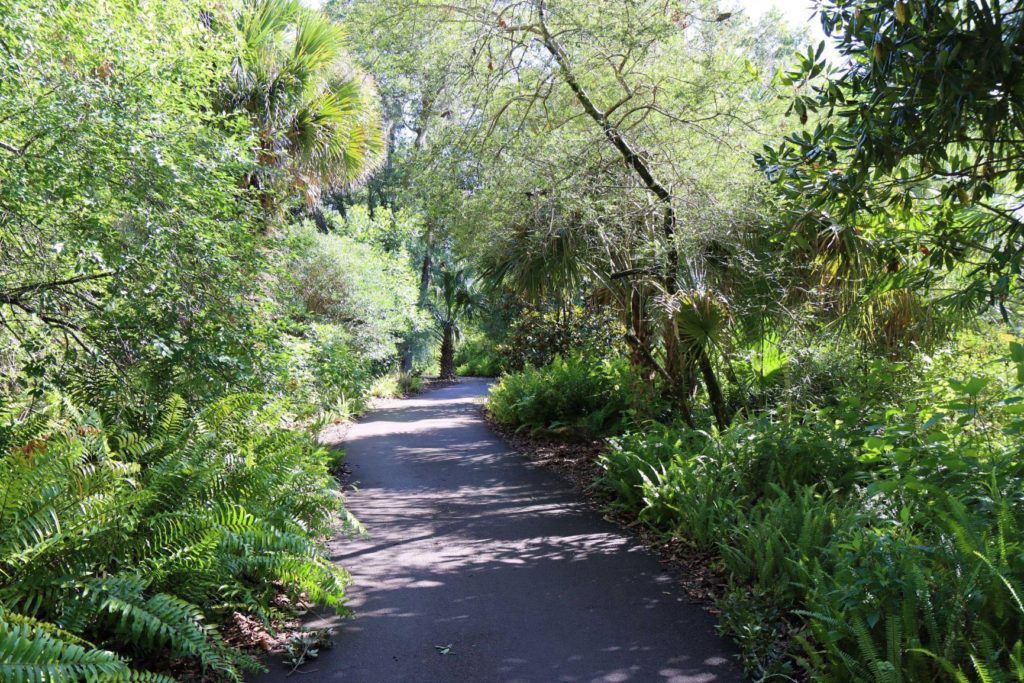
x,y
472,546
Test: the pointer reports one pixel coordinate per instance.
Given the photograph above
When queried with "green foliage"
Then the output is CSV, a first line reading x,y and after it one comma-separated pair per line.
x,y
364,290
322,372
135,541
32,653
535,337
314,116
478,356
396,385
888,540
454,299
127,243
907,148
390,231
152,479
576,396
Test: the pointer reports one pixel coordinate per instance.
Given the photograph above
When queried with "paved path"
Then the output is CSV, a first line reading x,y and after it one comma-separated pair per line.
x,y
471,545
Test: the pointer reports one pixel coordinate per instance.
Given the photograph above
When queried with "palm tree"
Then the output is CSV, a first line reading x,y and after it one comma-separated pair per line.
x,y
454,298
316,120
700,319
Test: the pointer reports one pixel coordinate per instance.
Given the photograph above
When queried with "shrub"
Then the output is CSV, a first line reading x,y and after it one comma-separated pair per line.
x,y
321,372
370,293
576,396
477,356
118,546
535,337
774,546
891,540
396,385
783,456
641,457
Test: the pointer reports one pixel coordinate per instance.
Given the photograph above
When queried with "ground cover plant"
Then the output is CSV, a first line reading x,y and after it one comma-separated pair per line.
x,y
578,396
862,538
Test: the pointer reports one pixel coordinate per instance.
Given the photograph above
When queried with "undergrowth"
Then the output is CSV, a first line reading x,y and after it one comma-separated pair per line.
x,y
119,546
862,544
576,397
866,536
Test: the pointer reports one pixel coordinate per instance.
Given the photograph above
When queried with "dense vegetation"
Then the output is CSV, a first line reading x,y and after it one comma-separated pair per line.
x,y
223,226
172,327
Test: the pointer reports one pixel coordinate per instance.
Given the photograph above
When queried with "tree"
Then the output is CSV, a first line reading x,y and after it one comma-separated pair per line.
x,y
316,119
612,157
913,150
126,242
355,285
454,299
419,63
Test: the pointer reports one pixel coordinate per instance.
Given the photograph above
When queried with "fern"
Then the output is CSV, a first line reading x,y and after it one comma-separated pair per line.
x,y
139,539
30,654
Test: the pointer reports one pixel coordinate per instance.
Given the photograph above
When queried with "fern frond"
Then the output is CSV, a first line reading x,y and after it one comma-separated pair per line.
x,y
30,655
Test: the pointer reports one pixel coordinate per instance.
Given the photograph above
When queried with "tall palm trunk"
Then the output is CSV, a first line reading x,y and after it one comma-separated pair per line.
x,y
714,388
448,352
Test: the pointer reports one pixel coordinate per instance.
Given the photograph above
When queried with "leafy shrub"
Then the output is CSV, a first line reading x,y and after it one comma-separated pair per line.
x,y
693,497
779,456
573,396
115,541
796,375
389,231
371,293
893,536
535,337
477,356
641,457
143,494
396,385
774,546
321,372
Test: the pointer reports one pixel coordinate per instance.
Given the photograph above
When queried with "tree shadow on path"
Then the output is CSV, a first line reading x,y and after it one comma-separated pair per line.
x,y
471,546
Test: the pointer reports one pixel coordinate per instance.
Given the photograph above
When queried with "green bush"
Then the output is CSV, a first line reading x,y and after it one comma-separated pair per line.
x,y
576,396
145,290
535,337
119,546
368,292
322,373
891,539
641,458
396,385
477,356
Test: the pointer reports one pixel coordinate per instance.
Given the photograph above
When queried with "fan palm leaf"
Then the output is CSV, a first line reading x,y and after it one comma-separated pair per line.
x,y
316,118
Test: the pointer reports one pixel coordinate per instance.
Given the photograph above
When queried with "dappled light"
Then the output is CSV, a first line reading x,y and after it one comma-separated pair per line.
x,y
469,544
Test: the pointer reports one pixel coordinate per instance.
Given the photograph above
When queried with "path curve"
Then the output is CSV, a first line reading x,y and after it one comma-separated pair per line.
x,y
472,545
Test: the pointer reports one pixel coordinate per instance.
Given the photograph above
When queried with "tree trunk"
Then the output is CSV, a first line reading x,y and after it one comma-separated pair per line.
x,y
630,156
319,219
715,396
645,358
448,352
